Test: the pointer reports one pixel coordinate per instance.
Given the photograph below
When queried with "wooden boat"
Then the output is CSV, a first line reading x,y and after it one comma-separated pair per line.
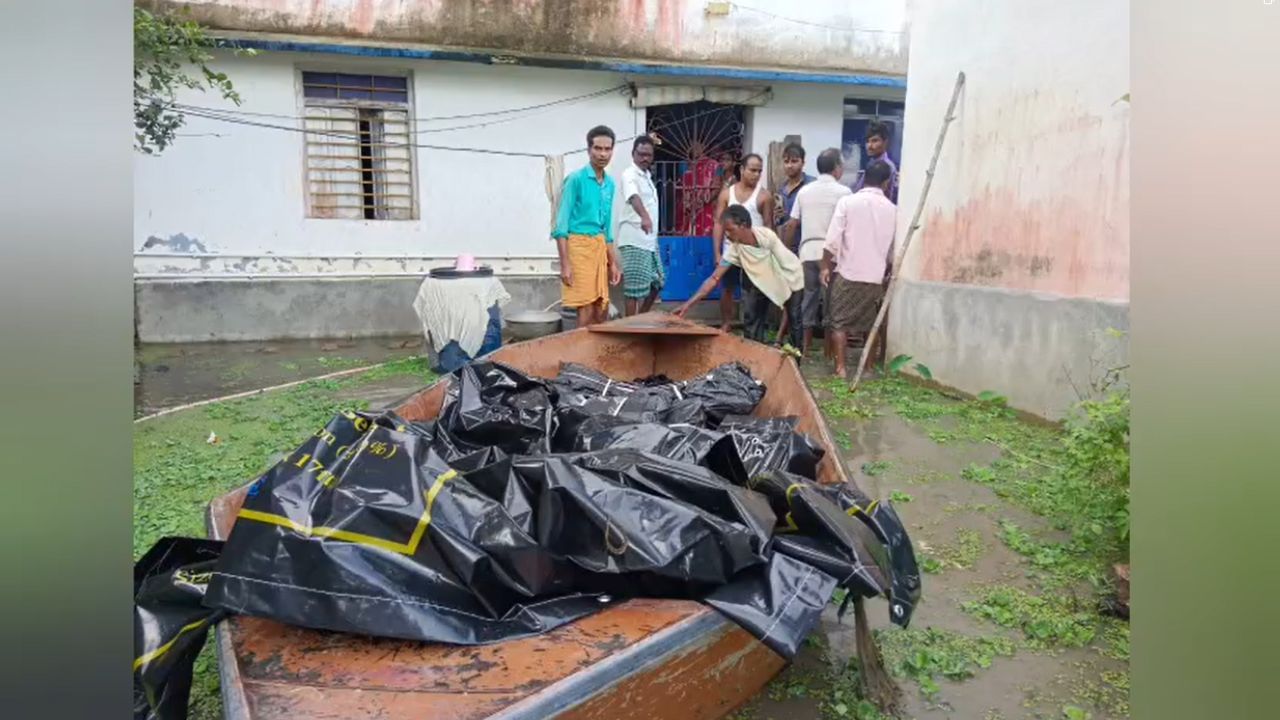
x,y
652,659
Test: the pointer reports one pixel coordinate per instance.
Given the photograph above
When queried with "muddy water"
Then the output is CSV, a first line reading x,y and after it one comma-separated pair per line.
x,y
1030,684
173,374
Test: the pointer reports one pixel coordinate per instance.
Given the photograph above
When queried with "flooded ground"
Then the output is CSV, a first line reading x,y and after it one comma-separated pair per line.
x,y
168,375
960,529
1007,628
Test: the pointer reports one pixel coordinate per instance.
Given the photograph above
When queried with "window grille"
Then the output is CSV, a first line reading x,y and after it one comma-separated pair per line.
x,y
359,154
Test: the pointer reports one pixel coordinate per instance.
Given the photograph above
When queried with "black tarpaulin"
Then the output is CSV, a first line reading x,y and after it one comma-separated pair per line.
x,y
529,504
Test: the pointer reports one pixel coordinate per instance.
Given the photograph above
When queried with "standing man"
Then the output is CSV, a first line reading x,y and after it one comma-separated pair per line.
x,y
794,178
858,248
811,214
584,234
637,234
878,151
772,273
759,206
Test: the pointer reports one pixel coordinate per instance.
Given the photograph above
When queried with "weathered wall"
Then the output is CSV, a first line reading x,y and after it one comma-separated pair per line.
x,y
654,30
280,308
1032,188
238,190
225,207
814,112
1021,263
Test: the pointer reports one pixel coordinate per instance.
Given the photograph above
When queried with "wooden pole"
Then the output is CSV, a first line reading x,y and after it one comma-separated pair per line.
x,y
911,231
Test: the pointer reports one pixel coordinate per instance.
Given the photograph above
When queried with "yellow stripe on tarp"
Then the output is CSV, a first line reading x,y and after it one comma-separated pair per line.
x,y
425,520
792,488
405,548
148,657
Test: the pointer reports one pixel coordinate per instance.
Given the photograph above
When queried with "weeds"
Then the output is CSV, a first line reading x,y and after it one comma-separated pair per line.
x,y
959,555
927,654
879,467
1045,622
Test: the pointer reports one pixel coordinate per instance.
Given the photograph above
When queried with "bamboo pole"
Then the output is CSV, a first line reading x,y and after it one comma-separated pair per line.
x,y
911,231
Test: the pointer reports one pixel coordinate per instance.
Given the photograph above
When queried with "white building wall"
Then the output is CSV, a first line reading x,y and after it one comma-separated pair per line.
x,y
229,199
237,190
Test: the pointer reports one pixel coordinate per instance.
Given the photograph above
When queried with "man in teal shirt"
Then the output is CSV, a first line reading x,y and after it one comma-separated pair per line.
x,y
584,234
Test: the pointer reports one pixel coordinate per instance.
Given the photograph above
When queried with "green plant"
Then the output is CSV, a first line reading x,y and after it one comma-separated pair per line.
x,y
1097,450
923,655
164,47
897,363
961,554
878,467
992,397
1071,712
1044,621
899,497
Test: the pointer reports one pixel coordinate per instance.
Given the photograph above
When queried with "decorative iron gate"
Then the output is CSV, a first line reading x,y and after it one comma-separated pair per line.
x,y
696,146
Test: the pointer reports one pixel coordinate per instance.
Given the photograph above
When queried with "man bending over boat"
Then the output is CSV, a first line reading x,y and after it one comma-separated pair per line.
x,y
771,274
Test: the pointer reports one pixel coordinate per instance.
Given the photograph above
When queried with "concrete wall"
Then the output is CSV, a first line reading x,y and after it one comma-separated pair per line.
x,y
226,202
278,308
864,36
235,189
1028,213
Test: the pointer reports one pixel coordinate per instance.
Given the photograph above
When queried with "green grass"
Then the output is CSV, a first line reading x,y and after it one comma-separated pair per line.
x,y
1050,621
177,472
1073,475
924,655
960,554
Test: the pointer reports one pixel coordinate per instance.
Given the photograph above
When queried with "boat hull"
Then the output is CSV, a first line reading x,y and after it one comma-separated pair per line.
x,y
645,658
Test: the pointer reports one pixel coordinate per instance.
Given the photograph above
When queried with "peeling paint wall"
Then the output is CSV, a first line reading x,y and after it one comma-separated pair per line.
x,y
1018,279
229,199
680,31
239,190
1032,188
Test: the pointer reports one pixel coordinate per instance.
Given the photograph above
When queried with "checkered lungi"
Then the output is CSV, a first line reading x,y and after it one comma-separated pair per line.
x,y
852,305
641,271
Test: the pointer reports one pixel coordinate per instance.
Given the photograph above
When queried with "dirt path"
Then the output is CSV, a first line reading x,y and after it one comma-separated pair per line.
x,y
956,524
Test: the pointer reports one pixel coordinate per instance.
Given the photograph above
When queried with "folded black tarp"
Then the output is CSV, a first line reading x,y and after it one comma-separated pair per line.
x,y
494,522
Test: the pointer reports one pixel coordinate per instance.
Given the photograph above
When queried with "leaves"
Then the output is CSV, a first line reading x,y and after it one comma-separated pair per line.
x,y
899,362
1071,712
165,50
1044,621
992,397
924,371
925,654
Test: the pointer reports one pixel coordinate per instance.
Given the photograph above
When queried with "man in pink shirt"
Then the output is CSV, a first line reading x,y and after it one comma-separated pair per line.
x,y
858,247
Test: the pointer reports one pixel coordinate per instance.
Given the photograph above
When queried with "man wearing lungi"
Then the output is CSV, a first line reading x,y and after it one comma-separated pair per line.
x,y
642,277
858,248
584,234
770,272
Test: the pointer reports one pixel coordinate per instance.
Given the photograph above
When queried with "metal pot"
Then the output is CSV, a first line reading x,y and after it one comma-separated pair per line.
x,y
530,324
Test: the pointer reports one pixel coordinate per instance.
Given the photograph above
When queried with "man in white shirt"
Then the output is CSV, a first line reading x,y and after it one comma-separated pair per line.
x,y
642,277
814,206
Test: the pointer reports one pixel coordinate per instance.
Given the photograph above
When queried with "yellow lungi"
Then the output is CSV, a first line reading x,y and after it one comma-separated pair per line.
x,y
589,259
